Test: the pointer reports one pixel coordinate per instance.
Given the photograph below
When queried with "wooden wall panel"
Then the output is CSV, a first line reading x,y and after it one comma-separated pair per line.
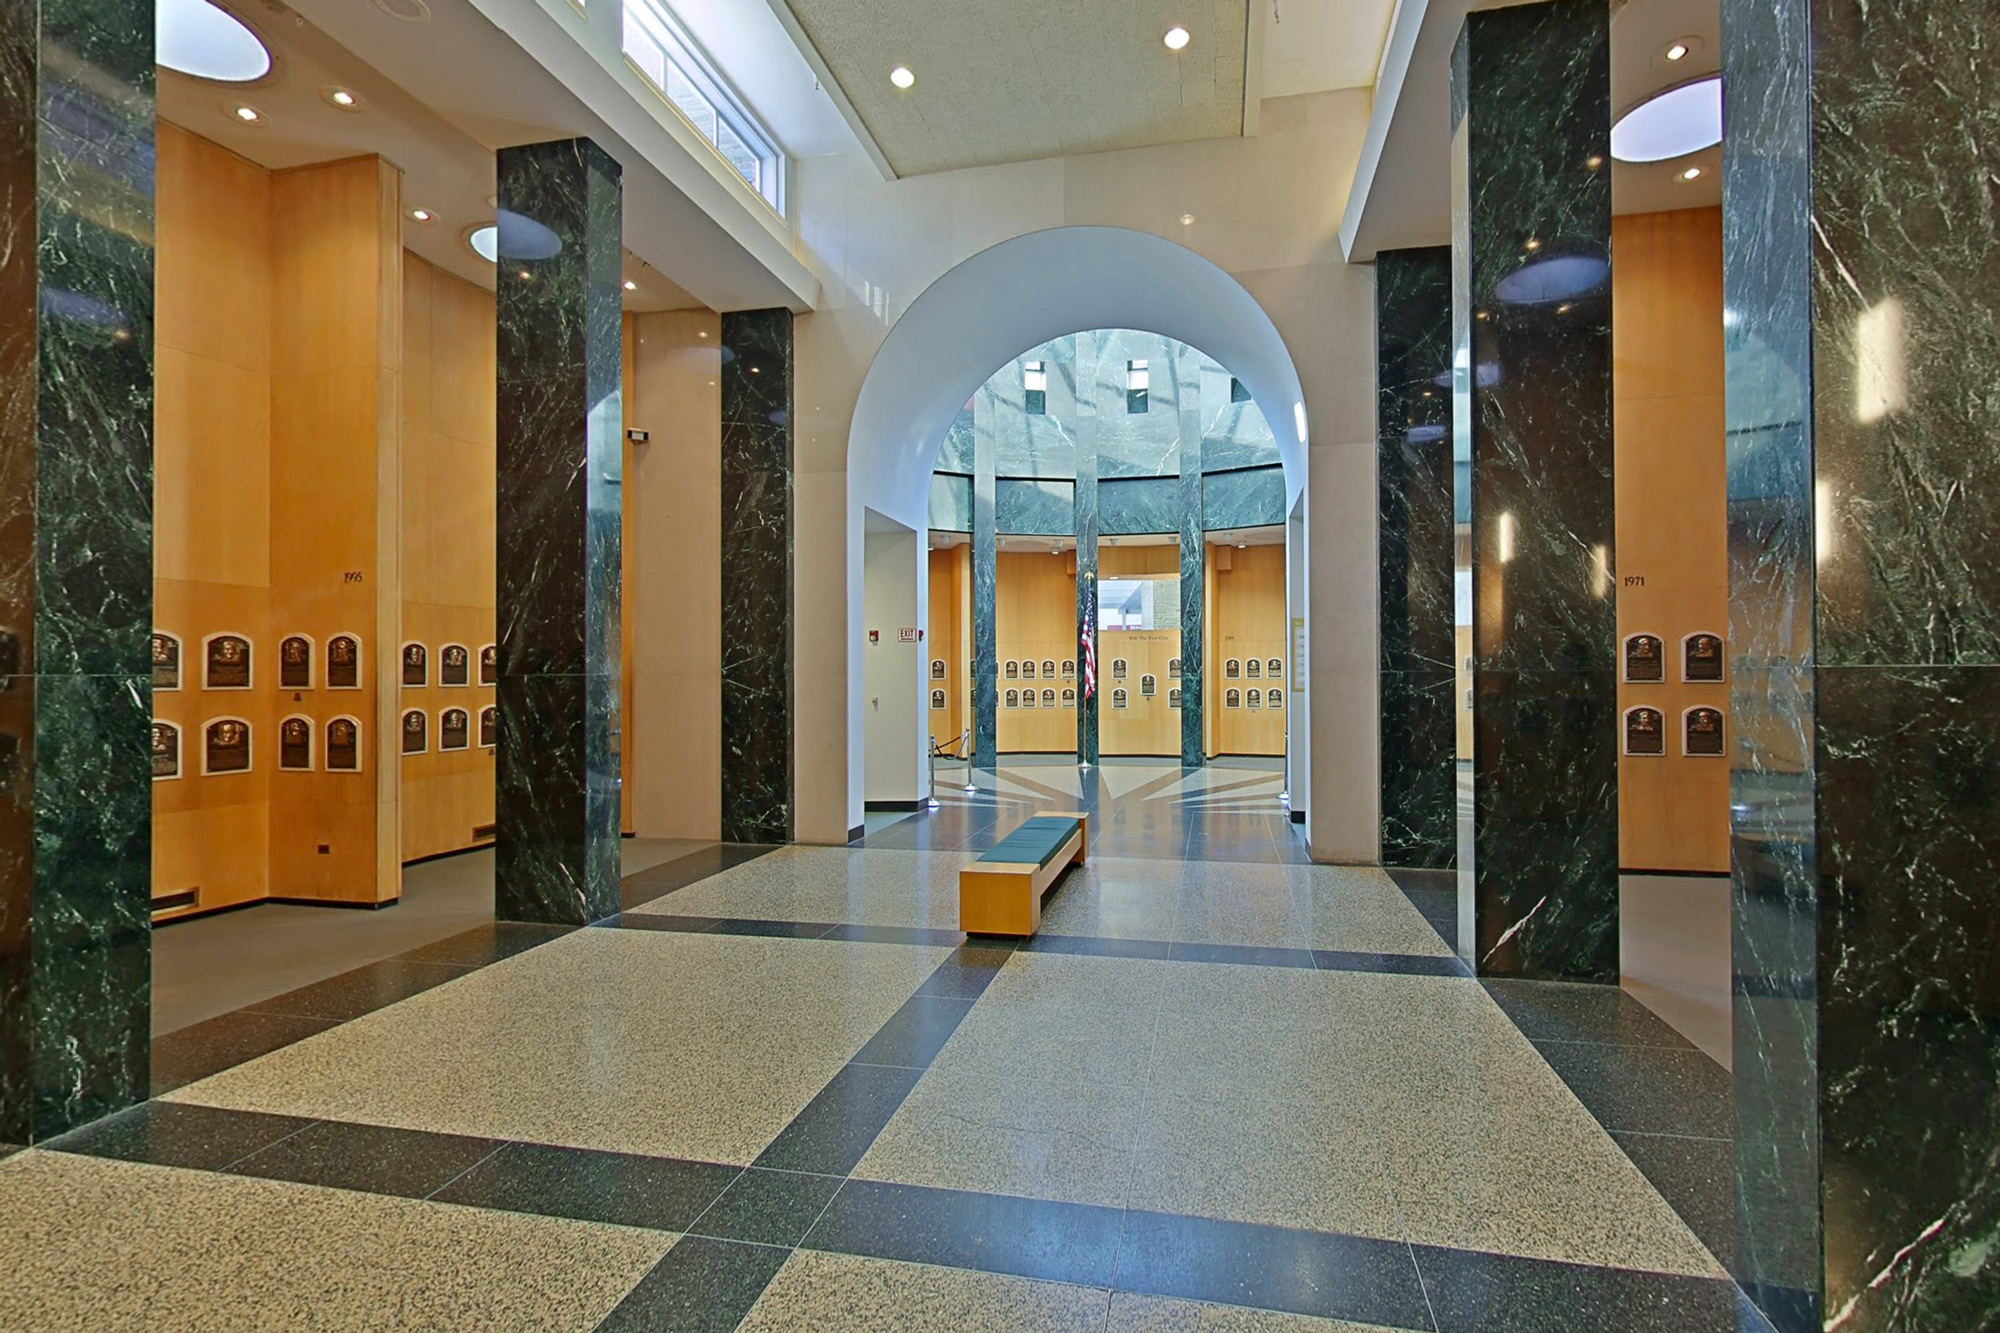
x,y
1034,616
1672,535
943,644
1249,616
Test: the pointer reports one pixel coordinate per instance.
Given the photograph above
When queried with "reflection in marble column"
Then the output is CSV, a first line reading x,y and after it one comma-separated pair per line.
x,y
557,304
985,579
1088,354
1194,553
758,670
1862,300
76,535
1413,472
1531,236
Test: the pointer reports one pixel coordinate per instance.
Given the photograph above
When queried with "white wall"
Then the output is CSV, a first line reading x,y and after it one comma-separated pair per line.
x,y
892,671
1267,211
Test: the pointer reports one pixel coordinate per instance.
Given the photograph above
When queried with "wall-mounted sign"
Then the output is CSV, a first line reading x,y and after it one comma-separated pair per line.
x,y
1645,659
295,662
1012,670
454,729
1645,731
1013,698
489,664
1117,668
225,662
937,668
1173,668
416,664
1232,698
1069,698
343,745
343,663
1149,685
1298,654
1028,669
295,744
225,746
166,661
1048,698
166,751
1173,698
1118,698
1254,667
454,665
1701,733
909,634
416,731
489,727
1027,698
1232,669
937,699
1274,698
1048,668
1275,668
1701,658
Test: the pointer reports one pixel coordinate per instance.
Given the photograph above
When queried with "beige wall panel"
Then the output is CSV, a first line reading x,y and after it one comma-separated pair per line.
x,y
211,468
1144,726
1034,614
213,285
219,851
1249,616
942,644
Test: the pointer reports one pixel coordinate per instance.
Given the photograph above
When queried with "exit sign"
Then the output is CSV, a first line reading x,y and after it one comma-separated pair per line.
x,y
908,635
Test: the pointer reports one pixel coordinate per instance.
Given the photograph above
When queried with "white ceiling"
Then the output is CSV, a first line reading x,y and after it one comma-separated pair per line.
x,y
1402,192
1314,46
1025,79
444,170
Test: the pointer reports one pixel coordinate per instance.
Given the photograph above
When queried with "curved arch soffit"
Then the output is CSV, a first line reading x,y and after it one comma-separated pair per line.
x,y
1030,290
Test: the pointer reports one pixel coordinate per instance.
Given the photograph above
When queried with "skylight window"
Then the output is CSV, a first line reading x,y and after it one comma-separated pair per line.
x,y
1035,385
660,49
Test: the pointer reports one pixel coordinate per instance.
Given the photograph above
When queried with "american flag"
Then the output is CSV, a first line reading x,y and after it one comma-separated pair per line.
x,y
1087,636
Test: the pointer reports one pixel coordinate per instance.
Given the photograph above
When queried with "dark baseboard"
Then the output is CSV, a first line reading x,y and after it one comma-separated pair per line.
x,y
1298,816
1674,874
888,806
857,833
208,912
346,907
440,856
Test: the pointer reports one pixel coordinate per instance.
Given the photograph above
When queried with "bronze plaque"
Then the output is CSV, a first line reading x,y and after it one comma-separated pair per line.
x,y
1256,699
295,662
1048,668
1149,685
937,668
1069,698
1173,668
1701,732
454,665
343,746
1118,698
226,746
1013,698
1232,699
1173,698
166,750
1027,698
416,664
1274,668
295,744
489,664
1253,668
937,699
1117,668
166,661
454,729
343,665
489,727
1645,659
1274,698
228,663
1069,668
1013,669
1701,658
1231,669
416,731
1645,731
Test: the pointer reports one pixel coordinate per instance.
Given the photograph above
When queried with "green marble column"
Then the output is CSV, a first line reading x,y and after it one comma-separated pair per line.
x,y
1087,357
76,575
1194,555
560,453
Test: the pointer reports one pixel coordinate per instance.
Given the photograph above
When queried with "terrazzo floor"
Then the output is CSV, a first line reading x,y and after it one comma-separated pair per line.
x,y
1221,1091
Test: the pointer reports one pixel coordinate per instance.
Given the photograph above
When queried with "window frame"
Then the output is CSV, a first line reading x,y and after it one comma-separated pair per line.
x,y
681,54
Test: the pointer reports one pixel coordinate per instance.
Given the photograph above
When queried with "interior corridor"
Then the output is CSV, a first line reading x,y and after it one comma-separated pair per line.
x,y
1223,1088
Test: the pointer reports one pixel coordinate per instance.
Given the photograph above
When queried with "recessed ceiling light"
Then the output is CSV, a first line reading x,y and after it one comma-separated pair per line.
x,y
249,115
196,38
1176,38
1692,173
1187,219
631,286
341,98
409,11
902,78
1678,51
1684,119
701,333
422,215
1534,244
485,242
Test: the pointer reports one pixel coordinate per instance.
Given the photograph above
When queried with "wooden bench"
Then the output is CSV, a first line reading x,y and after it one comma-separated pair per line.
x,y
1001,892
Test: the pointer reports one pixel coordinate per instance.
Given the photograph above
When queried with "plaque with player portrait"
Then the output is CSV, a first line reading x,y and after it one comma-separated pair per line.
x,y
1028,669
1069,668
1048,668
416,731
1118,698
1645,731
1274,667
1173,668
1149,685
454,729
226,746
454,665
343,746
1013,698
1232,669
295,662
1255,697
166,661
416,664
1069,698
937,668
1253,668
225,662
295,744
937,699
1013,669
1117,668
489,664
1645,659
489,727
1048,698
1232,699
1701,733
1174,698
343,663
1701,658
1274,698
166,751
1027,698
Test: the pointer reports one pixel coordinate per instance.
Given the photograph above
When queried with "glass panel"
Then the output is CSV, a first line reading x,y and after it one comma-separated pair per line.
x,y
691,103
1145,601
737,153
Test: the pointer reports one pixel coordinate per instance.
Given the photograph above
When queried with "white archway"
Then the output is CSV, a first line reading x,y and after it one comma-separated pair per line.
x,y
989,309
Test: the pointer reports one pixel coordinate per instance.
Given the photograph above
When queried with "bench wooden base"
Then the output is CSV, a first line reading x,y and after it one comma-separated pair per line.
x,y
1004,898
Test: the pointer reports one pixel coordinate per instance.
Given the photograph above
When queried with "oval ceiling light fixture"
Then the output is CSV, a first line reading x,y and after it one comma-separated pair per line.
x,y
409,11
422,215
202,41
902,78
341,98
247,115
631,286
1692,173
1176,38
1681,120
485,242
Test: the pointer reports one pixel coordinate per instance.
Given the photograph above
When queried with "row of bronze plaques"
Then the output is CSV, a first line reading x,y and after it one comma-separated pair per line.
x,y
228,663
225,742
1645,659
1701,732
1232,669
